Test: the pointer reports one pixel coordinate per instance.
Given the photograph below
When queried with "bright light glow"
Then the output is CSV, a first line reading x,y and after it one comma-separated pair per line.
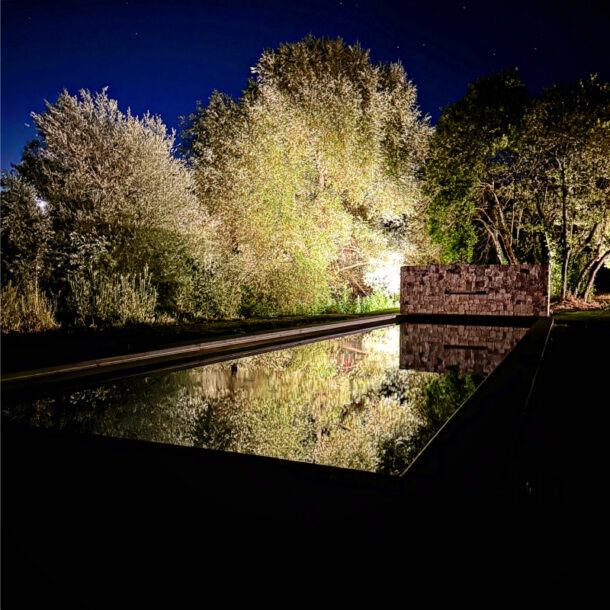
x,y
41,203
384,273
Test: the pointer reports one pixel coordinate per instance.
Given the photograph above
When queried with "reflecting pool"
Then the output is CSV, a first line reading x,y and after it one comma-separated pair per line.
x,y
367,401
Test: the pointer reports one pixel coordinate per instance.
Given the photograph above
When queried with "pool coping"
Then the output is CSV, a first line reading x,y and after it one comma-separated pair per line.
x,y
199,353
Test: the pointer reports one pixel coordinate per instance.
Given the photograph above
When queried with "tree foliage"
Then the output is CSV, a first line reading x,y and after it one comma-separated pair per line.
x,y
470,170
305,195
25,231
565,147
303,170
117,200
513,178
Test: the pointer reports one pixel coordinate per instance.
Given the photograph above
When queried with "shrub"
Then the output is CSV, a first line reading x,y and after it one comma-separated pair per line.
x,y
343,302
117,300
26,309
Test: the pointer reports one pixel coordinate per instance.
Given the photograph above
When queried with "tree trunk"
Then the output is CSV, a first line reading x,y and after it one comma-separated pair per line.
x,y
505,237
597,267
583,275
564,233
598,250
320,169
496,243
564,274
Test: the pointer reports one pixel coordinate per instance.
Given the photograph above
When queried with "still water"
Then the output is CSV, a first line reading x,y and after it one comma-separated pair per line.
x,y
367,401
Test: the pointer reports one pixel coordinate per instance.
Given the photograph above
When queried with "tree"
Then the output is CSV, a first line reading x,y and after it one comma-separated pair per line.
x,y
565,146
25,231
471,172
118,200
520,179
308,169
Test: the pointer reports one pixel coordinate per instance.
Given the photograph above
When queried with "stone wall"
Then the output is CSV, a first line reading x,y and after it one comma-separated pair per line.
x,y
467,350
497,290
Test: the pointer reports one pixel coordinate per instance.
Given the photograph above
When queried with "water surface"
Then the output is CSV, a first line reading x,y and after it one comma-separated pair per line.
x,y
368,401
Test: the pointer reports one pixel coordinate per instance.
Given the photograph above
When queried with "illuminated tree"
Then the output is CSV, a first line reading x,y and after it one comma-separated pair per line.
x,y
565,148
471,172
310,171
517,179
25,232
118,201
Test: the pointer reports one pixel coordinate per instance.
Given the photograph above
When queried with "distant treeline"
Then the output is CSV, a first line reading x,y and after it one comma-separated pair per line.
x,y
303,196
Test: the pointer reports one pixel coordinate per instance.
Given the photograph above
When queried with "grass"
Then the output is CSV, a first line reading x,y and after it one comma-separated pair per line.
x,y
572,310
595,315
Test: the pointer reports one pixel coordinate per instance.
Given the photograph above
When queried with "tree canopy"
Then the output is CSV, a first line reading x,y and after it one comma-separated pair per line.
x,y
307,169
304,195
117,201
469,169
514,178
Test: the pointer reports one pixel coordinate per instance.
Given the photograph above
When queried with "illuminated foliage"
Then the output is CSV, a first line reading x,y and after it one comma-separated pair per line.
x,y
565,146
117,199
301,197
307,170
470,171
25,231
518,179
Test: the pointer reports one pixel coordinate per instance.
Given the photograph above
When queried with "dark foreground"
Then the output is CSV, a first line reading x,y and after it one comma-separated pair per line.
x,y
506,508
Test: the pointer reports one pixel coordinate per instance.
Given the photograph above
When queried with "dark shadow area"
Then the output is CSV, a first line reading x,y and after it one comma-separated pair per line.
x,y
602,281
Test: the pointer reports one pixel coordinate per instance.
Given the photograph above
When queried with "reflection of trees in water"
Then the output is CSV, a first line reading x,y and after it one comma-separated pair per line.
x,y
341,402
439,400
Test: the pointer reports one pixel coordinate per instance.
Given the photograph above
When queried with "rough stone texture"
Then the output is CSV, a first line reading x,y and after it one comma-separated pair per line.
x,y
496,290
467,350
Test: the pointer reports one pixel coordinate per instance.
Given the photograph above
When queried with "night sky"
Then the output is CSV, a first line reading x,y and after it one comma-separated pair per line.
x,y
164,56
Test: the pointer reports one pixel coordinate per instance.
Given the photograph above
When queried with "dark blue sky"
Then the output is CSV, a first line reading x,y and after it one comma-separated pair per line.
x,y
163,56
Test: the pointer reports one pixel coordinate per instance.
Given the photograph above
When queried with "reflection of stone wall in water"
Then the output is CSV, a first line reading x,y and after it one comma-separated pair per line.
x,y
507,290
467,350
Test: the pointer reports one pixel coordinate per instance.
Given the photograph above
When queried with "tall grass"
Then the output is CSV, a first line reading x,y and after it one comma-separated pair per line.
x,y
345,303
25,309
115,300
